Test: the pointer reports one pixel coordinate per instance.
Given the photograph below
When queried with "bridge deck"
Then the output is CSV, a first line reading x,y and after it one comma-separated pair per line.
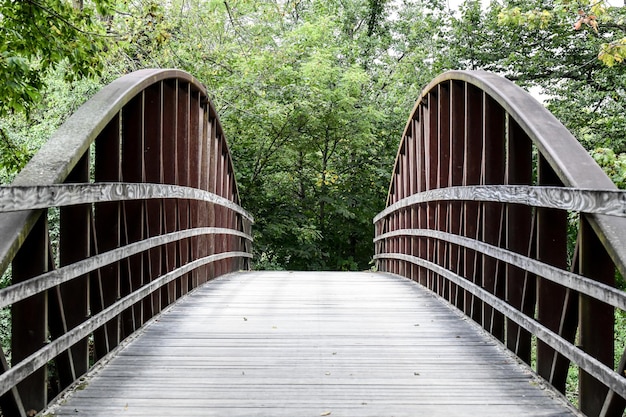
x,y
312,344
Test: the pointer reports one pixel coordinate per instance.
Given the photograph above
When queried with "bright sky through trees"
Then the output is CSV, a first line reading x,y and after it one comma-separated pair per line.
x,y
454,4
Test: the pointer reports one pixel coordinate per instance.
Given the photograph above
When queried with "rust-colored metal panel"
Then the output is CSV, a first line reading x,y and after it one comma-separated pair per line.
x,y
219,171
402,179
153,163
221,213
551,297
471,176
182,155
211,185
596,318
412,211
520,284
205,149
29,317
457,155
443,178
195,153
105,283
431,142
493,213
170,176
421,186
133,214
74,246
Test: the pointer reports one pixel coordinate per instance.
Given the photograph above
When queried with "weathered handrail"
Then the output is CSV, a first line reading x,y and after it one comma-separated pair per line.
x,y
148,209
477,211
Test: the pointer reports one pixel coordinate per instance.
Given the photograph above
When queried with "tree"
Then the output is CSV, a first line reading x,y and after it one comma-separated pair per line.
x,y
313,96
536,44
38,36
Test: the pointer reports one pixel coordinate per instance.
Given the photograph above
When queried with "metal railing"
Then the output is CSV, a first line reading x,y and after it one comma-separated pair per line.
x,y
130,205
485,191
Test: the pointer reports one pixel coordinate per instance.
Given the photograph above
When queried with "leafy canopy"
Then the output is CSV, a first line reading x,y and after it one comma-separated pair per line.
x,y
40,34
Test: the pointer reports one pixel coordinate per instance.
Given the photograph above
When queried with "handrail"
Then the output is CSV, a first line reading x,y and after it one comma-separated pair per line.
x,y
483,185
131,204
16,198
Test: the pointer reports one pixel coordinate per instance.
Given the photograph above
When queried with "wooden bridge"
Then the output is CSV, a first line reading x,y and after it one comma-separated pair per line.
x,y
129,256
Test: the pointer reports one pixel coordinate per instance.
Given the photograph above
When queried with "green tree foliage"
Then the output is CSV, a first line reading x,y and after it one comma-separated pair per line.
x,y
308,93
613,164
313,96
553,47
39,36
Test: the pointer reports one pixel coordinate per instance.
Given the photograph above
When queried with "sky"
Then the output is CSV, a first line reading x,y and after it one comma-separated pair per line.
x,y
455,3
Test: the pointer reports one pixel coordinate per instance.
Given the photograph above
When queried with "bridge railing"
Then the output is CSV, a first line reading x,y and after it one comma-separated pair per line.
x,y
486,187
130,205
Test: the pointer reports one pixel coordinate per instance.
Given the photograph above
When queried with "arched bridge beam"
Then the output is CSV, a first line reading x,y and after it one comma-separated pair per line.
x,y
486,190
131,204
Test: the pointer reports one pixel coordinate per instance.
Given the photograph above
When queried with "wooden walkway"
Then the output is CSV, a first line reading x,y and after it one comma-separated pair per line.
x,y
312,344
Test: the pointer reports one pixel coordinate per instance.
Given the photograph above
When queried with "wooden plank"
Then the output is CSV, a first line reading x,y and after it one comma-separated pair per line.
x,y
308,343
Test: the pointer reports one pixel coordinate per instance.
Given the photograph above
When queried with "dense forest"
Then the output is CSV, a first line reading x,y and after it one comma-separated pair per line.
x,y
313,94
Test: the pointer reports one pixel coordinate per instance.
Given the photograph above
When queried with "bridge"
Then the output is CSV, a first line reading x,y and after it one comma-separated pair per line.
x,y
131,294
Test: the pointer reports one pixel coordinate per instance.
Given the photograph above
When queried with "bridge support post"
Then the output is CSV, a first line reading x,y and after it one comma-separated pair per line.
x,y
29,330
70,307
596,318
105,283
551,297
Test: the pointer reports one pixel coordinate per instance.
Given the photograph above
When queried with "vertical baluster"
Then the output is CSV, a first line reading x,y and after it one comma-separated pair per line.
x,y
133,216
396,222
421,186
203,207
107,225
443,177
401,193
170,176
520,285
471,176
431,140
74,246
227,193
596,318
182,155
195,153
153,157
219,190
29,330
551,249
412,211
457,151
212,172
492,213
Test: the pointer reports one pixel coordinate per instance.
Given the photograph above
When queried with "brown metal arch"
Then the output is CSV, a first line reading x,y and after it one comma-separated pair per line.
x,y
476,129
154,146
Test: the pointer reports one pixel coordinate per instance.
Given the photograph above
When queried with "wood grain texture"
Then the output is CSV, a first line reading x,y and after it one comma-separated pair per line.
x,y
597,290
312,344
17,198
609,202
